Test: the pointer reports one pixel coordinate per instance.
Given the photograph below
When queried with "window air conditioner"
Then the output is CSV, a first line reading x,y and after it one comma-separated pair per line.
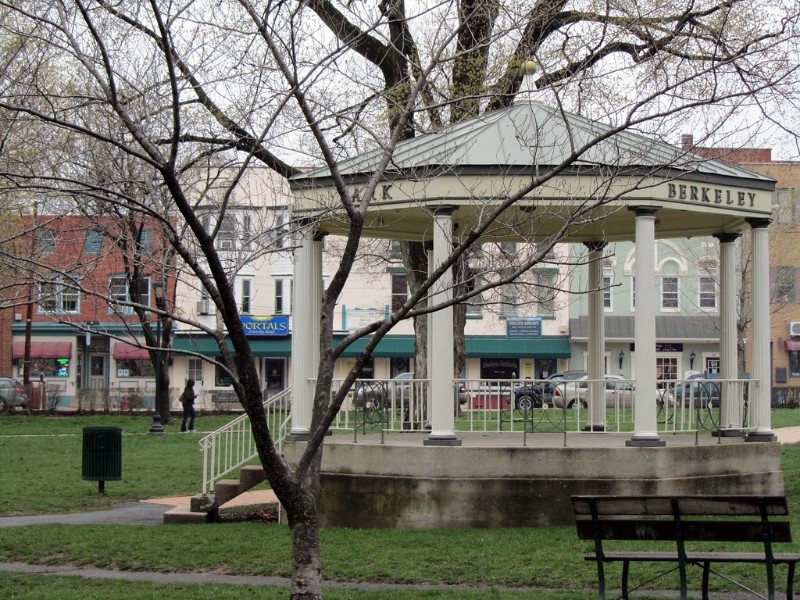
x,y
202,307
794,328
225,244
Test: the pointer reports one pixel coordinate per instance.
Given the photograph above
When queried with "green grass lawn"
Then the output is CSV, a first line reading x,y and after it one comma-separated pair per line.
x,y
42,473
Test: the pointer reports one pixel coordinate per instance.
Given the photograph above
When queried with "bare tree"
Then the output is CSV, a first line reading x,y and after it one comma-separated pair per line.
x,y
192,88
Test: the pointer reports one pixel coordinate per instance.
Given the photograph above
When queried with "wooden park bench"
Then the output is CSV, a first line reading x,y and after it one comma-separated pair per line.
x,y
682,519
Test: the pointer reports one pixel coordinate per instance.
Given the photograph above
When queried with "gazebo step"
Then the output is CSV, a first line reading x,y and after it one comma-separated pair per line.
x,y
183,515
250,476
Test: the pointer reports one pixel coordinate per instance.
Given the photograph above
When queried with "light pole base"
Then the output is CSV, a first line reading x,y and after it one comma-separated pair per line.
x,y
156,428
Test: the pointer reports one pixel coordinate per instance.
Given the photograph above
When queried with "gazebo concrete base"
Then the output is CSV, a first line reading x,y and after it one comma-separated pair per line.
x,y
493,480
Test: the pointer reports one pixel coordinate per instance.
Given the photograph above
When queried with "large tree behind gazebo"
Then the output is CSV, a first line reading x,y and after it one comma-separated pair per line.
x,y
577,53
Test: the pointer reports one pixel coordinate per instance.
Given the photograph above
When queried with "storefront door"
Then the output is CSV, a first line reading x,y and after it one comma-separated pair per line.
x,y
275,375
98,371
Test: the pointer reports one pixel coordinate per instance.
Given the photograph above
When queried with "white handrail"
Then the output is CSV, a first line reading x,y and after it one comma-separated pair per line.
x,y
232,445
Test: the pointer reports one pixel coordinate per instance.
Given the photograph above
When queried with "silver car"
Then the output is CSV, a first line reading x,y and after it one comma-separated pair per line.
x,y
618,393
12,395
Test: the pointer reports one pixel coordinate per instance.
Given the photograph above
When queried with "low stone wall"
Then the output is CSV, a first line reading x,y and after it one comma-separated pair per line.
x,y
423,487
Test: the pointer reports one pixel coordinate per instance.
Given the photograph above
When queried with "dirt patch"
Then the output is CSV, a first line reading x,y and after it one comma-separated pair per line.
x,y
254,514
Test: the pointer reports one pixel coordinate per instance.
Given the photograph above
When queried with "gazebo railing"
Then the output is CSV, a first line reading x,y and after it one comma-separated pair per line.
x,y
507,405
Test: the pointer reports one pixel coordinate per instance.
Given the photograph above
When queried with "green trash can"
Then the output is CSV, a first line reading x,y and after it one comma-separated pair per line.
x,y
102,455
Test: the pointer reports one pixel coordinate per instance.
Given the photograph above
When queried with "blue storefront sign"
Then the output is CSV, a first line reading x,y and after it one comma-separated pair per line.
x,y
524,327
266,326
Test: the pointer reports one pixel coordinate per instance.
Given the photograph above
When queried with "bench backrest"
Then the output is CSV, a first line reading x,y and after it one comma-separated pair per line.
x,y
677,518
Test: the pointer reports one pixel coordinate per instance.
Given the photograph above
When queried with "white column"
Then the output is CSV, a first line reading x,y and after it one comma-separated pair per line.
x,y
597,339
730,420
645,425
429,319
441,349
307,283
760,387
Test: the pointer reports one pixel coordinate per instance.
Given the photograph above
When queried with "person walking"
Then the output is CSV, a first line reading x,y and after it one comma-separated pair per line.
x,y
187,401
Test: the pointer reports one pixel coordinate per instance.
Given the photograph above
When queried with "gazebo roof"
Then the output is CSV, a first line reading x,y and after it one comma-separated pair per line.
x,y
493,156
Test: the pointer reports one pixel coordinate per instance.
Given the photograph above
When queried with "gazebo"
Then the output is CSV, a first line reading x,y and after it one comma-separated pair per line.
x,y
632,188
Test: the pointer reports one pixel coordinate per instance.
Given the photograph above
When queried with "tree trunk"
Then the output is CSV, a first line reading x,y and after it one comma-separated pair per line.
x,y
163,400
306,566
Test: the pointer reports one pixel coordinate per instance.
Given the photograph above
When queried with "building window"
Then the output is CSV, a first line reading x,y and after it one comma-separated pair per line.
x,y
473,304
786,213
608,281
279,232
247,232
93,242
146,240
708,292
283,300
226,235
55,297
666,367
669,293
119,294
135,368
45,241
204,304
50,367
246,296
707,284
196,370
546,294
784,284
399,290
395,250
509,296
794,363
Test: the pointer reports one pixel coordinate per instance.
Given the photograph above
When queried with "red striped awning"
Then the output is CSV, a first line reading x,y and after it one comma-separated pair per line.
x,y
44,349
123,351
792,345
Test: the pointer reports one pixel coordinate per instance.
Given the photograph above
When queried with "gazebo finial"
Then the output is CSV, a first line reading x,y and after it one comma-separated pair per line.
x,y
528,85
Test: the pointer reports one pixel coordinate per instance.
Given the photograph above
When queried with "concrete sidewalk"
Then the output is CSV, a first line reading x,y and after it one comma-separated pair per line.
x,y
145,512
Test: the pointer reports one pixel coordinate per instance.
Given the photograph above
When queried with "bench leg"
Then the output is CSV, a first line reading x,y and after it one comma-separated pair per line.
x,y
601,580
625,565
706,570
790,582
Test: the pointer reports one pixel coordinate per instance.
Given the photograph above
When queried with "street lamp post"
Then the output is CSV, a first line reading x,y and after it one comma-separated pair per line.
x,y
158,291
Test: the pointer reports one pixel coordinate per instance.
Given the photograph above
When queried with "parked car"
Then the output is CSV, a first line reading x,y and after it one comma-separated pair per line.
x,y
703,390
373,394
12,395
619,392
535,394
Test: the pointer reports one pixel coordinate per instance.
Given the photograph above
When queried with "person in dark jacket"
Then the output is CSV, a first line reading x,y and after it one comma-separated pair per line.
x,y
187,401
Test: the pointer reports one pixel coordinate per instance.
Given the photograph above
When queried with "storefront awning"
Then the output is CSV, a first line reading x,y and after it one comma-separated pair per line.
x,y
44,349
279,347
486,346
123,351
401,346
793,345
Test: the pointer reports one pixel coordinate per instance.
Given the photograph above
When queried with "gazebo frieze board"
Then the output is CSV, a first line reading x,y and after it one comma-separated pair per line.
x,y
687,207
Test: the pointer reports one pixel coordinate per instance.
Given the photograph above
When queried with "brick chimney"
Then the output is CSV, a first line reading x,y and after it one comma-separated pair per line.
x,y
687,141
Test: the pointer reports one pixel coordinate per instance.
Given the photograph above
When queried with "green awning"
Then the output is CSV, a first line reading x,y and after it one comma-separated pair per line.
x,y
488,346
391,346
277,346
402,346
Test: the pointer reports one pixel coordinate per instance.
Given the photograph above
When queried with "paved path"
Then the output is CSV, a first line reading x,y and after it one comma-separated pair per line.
x,y
261,580
146,512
